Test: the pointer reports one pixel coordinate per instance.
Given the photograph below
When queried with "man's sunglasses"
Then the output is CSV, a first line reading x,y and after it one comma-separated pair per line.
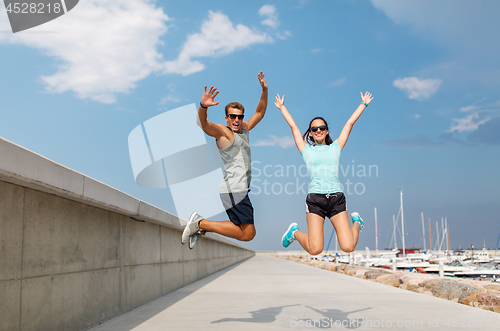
x,y
233,116
315,128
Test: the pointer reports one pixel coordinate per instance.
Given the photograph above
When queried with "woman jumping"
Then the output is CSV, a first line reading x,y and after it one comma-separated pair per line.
x,y
325,198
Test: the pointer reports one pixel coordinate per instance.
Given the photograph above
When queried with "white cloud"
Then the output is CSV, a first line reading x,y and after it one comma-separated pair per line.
x,y
418,89
284,142
338,82
416,116
470,122
172,96
479,115
272,16
218,36
283,35
469,108
103,46
272,21
316,50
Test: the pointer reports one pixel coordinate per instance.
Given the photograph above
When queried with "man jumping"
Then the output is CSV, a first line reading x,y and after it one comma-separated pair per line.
x,y
234,147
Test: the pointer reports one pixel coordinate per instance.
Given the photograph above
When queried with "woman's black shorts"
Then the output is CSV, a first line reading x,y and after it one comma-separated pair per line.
x,y
325,205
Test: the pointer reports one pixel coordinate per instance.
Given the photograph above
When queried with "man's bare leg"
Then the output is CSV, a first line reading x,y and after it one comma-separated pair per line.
x,y
243,232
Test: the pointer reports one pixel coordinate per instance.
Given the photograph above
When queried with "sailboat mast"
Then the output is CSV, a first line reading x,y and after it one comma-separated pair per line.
x,y
376,231
423,230
394,231
437,236
430,235
447,234
443,228
403,224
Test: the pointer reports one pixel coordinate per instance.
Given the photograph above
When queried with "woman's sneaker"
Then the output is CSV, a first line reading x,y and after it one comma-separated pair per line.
x,y
288,236
192,226
356,218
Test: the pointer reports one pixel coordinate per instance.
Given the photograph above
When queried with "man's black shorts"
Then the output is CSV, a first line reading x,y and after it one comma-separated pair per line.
x,y
238,207
325,205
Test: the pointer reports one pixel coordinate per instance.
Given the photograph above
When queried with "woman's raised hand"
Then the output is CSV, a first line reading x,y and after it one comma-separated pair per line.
x,y
279,102
367,98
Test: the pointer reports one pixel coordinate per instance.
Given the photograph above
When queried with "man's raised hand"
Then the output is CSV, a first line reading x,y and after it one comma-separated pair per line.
x,y
262,81
207,99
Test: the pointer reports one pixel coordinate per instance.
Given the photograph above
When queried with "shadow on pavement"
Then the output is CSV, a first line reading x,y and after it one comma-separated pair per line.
x,y
333,318
265,315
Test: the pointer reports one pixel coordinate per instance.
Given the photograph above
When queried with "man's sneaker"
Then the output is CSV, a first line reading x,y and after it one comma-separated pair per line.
x,y
192,241
356,218
288,236
192,226
194,237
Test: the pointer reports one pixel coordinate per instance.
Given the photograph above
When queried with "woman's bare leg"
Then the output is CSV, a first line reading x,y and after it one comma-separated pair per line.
x,y
347,235
312,241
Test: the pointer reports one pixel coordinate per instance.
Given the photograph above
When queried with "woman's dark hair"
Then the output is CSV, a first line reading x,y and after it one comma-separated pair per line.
x,y
310,140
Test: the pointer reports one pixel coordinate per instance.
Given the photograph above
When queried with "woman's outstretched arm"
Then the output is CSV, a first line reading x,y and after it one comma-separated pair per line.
x,y
297,136
346,131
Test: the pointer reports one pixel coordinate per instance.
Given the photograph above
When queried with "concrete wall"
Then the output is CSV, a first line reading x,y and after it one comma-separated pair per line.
x,y
74,252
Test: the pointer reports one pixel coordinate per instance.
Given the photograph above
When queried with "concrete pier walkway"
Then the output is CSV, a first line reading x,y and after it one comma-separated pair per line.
x,y
267,293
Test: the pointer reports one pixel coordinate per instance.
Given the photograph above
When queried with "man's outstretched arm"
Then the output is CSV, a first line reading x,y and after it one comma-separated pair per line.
x,y
261,107
207,100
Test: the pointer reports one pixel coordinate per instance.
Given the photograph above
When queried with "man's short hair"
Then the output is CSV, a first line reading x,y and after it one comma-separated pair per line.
x,y
236,105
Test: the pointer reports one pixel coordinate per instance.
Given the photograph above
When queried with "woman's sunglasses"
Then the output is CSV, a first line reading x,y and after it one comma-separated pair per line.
x,y
315,128
233,116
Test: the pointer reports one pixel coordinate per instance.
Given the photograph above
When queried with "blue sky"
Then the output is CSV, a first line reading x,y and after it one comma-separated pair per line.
x,y
74,88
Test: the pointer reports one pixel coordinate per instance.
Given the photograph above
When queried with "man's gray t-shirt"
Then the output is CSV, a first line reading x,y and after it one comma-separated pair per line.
x,y
237,164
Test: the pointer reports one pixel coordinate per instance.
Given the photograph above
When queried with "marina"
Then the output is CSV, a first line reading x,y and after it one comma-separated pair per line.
x,y
474,264
481,265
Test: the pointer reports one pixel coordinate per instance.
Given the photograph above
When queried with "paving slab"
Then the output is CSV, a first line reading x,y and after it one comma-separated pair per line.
x,y
267,293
